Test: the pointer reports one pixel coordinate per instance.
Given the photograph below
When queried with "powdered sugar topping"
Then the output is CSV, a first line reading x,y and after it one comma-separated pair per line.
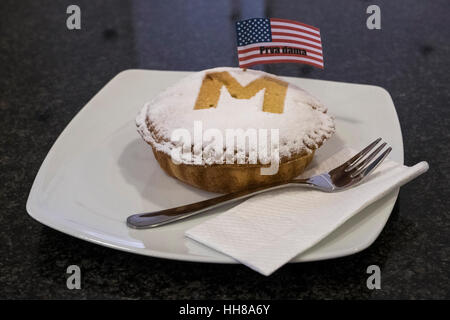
x,y
303,125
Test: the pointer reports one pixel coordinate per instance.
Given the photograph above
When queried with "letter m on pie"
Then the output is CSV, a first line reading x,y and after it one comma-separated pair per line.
x,y
274,94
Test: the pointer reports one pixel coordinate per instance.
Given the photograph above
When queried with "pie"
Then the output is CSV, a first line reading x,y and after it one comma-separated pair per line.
x,y
229,129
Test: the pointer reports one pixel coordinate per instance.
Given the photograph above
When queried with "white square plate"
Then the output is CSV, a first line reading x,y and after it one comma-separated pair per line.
x,y
99,171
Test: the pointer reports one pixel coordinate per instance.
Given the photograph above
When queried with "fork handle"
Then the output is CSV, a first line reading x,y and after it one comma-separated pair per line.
x,y
158,218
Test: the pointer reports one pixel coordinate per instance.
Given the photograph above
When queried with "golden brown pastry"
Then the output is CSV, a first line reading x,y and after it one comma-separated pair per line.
x,y
286,123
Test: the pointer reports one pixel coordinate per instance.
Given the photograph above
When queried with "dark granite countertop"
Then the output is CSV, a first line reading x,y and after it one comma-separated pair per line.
x,y
48,73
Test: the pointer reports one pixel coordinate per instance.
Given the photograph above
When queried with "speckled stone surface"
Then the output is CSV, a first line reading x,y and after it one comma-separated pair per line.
x,y
48,73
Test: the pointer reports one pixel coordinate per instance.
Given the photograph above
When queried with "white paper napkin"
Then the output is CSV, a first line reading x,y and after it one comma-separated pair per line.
x,y
268,230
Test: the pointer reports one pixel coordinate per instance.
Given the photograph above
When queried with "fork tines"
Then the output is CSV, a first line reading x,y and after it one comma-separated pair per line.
x,y
361,165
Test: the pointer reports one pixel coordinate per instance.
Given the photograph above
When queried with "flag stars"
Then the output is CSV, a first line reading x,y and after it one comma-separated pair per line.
x,y
253,31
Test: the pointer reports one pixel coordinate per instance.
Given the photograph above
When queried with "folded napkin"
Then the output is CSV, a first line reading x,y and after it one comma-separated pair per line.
x,y
270,229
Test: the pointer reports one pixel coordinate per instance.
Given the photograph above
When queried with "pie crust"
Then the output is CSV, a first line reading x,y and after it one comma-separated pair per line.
x,y
302,119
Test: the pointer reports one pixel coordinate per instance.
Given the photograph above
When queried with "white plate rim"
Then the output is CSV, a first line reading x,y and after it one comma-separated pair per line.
x,y
35,212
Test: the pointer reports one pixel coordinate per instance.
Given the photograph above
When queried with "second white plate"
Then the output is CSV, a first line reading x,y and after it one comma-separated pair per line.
x,y
99,171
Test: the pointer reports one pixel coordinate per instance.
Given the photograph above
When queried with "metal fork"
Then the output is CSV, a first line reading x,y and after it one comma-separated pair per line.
x,y
350,173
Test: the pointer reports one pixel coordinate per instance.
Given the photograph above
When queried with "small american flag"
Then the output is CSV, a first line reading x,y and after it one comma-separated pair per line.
x,y
263,40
